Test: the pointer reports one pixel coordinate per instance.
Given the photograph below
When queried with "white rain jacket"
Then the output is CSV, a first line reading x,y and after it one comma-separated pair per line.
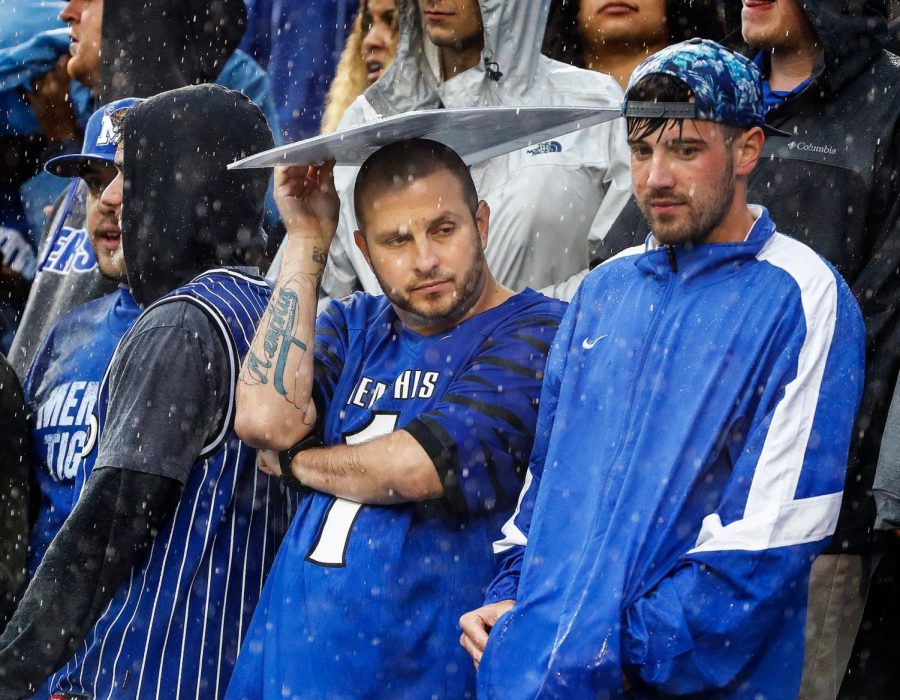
x,y
551,204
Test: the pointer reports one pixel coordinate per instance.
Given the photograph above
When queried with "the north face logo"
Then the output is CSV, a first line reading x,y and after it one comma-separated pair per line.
x,y
546,147
812,148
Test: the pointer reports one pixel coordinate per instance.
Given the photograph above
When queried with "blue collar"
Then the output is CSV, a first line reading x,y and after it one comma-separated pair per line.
x,y
774,98
701,260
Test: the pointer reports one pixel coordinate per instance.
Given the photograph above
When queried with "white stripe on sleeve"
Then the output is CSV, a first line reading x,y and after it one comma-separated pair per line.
x,y
513,536
772,517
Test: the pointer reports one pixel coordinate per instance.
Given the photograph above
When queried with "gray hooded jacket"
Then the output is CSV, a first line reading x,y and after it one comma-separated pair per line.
x,y
551,204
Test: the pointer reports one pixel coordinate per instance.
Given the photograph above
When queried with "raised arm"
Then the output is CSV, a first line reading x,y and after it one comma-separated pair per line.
x,y
274,394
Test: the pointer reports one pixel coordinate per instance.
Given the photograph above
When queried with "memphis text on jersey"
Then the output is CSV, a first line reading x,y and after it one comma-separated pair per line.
x,y
411,384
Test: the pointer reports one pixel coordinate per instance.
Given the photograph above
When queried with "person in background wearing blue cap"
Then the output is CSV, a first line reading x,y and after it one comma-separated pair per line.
x,y
693,431
63,380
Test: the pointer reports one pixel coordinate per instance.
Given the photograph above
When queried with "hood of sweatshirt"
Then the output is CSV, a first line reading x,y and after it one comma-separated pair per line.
x,y
183,211
149,46
852,32
513,35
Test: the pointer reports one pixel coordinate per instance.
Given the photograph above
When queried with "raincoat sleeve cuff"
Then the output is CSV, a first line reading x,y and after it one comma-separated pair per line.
x,y
506,588
505,585
634,640
655,633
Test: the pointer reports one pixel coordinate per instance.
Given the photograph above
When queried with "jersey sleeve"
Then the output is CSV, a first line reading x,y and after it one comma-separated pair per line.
x,y
480,434
715,609
510,549
167,393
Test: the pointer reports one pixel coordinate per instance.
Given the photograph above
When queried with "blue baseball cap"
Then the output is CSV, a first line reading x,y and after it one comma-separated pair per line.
x,y
727,87
99,142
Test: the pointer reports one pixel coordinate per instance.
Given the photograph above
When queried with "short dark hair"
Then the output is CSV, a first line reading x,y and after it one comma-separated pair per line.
x,y
398,164
685,19
661,87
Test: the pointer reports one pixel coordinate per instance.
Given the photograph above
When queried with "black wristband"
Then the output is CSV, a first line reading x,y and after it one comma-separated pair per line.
x,y
287,456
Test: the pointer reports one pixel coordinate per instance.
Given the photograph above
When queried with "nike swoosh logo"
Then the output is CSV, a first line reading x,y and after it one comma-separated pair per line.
x,y
589,344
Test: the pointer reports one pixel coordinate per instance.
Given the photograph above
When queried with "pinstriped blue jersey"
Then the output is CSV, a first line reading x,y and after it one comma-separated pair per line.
x,y
174,628
363,601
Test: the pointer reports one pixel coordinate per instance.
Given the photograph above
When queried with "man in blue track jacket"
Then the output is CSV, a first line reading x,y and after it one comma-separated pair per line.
x,y
693,432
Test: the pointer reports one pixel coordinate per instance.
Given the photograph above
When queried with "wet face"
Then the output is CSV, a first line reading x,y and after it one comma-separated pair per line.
x,y
452,24
684,179
84,18
103,222
379,23
427,250
776,24
622,22
111,199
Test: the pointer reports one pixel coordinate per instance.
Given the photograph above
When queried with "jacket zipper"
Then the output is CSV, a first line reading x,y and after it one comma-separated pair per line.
x,y
629,406
673,261
645,351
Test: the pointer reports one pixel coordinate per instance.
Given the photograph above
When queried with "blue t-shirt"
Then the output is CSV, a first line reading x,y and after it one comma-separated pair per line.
x,y
363,601
61,389
774,98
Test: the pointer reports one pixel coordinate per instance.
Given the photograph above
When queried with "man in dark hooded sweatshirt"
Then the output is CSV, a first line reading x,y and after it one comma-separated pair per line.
x,y
835,184
147,587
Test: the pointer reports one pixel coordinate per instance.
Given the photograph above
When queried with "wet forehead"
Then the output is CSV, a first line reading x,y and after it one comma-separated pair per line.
x,y
390,207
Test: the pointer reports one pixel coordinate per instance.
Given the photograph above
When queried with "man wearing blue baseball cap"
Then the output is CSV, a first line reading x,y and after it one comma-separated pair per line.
x,y
693,430
95,165
63,379
77,261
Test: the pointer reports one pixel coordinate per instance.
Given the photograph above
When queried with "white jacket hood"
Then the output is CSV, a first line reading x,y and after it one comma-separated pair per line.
x,y
513,34
552,203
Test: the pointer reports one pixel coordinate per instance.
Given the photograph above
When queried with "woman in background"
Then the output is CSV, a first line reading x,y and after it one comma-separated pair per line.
x,y
614,36
366,56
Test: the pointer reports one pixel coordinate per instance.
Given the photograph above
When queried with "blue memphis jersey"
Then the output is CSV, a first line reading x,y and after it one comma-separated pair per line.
x,y
68,249
689,464
61,390
363,601
174,628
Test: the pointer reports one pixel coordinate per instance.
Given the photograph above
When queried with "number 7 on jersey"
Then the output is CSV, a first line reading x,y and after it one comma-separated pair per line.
x,y
330,548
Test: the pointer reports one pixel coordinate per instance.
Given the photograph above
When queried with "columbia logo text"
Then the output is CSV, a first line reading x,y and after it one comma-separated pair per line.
x,y
812,148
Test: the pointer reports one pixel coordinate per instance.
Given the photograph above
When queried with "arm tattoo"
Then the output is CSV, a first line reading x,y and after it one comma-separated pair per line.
x,y
278,341
320,255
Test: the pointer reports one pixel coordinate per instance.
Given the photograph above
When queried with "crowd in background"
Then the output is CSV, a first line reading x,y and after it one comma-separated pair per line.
x,y
558,209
